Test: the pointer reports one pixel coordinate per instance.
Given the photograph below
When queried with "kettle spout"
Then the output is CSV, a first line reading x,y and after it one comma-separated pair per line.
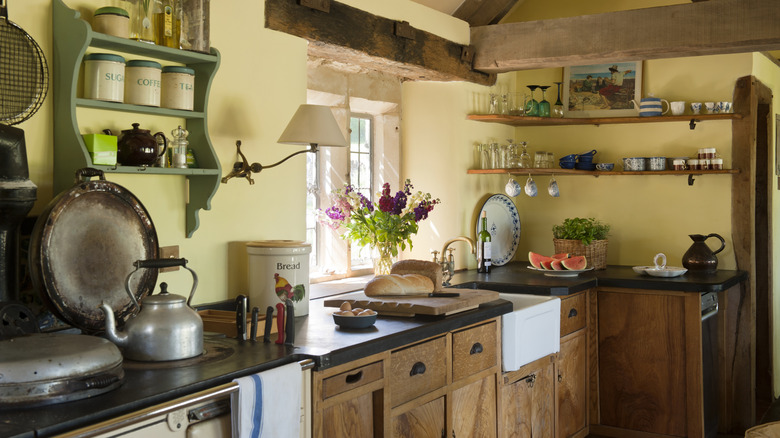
x,y
118,338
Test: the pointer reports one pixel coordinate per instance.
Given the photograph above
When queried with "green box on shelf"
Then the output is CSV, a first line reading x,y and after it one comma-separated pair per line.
x,y
102,148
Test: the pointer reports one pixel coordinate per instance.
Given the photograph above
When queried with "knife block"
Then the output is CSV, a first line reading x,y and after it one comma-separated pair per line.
x,y
224,321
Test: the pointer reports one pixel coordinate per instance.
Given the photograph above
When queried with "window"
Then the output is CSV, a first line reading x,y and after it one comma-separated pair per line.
x,y
360,176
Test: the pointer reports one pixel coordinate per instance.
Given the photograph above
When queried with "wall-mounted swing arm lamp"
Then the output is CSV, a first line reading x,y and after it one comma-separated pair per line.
x,y
312,125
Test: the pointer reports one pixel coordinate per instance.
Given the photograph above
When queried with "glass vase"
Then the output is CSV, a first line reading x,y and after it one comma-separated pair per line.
x,y
383,258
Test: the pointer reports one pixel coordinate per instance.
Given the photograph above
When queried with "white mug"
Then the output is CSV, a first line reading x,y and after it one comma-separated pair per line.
x,y
677,107
530,187
711,108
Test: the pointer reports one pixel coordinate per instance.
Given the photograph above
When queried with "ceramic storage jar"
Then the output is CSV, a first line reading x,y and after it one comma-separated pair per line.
x,y
112,21
178,88
104,76
143,82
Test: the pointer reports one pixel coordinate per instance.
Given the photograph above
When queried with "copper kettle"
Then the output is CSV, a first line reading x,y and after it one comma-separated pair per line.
x,y
138,147
699,257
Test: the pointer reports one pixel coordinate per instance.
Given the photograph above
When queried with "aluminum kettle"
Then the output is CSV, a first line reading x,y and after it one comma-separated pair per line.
x,y
165,326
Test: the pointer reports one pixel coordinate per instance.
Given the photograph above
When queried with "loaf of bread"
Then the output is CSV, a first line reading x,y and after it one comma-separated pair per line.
x,y
429,269
396,284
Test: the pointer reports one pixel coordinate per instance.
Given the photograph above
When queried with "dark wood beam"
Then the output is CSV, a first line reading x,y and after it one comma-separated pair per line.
x,y
353,36
692,29
483,12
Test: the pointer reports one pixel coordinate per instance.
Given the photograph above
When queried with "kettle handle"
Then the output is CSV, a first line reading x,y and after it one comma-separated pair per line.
x,y
722,242
161,263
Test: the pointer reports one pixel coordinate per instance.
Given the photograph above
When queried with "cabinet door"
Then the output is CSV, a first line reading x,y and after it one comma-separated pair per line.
x,y
426,420
351,418
474,409
572,377
529,404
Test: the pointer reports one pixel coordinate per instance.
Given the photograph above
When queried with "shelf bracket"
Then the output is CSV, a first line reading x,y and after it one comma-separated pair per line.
x,y
693,124
690,175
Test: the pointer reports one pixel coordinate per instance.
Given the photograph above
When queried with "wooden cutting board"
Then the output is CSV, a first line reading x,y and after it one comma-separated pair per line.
x,y
400,305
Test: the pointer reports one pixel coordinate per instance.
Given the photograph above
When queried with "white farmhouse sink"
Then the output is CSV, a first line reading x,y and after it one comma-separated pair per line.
x,y
531,331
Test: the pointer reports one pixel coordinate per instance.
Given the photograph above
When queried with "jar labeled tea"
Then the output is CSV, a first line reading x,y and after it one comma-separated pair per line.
x,y
178,88
104,77
143,82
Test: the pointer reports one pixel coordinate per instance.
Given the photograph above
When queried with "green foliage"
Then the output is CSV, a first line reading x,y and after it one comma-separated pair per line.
x,y
585,230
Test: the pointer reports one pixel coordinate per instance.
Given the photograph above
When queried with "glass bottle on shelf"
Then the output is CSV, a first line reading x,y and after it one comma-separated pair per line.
x,y
167,23
142,24
557,110
484,253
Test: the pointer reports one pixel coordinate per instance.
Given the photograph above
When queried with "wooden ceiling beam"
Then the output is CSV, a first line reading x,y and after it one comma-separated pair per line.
x,y
692,29
353,36
483,12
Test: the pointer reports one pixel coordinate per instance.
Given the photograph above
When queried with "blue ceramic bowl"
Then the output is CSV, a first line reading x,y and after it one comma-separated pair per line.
x,y
354,322
585,166
567,164
585,159
588,154
570,157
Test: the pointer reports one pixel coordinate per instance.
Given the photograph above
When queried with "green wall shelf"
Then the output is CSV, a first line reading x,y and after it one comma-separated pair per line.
x,y
72,36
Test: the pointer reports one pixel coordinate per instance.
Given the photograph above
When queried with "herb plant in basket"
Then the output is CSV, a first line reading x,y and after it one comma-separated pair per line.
x,y
583,237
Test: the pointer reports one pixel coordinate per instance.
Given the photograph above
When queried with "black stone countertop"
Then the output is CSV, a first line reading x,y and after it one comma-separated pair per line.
x,y
316,337
516,277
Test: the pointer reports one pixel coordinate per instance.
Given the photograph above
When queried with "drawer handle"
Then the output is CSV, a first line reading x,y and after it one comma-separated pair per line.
x,y
354,378
572,313
476,348
418,368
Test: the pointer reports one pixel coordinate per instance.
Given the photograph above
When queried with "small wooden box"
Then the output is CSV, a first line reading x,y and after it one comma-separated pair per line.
x,y
224,321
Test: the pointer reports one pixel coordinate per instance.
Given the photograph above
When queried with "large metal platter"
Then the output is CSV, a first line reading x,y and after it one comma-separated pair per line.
x,y
84,245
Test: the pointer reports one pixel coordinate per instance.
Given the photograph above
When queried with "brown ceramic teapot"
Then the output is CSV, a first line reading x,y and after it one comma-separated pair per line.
x,y
699,257
138,147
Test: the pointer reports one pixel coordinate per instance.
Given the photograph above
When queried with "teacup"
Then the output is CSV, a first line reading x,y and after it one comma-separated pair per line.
x,y
677,107
634,164
586,155
605,166
570,157
552,188
513,188
725,107
696,107
711,108
567,164
530,187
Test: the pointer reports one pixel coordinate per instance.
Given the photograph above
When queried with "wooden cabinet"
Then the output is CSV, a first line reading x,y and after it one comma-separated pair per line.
x,y
650,362
442,386
74,37
572,367
527,401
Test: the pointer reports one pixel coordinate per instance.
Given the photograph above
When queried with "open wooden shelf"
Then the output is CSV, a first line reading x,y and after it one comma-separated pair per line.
x,y
550,121
518,171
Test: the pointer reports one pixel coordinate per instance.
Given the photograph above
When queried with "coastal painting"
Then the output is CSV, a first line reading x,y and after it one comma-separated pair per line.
x,y
602,90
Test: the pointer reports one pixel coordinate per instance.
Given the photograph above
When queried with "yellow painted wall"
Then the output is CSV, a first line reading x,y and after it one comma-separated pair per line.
x,y
260,83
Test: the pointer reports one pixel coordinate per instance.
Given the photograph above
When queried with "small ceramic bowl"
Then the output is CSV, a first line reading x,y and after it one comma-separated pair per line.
x,y
605,166
567,164
570,157
354,322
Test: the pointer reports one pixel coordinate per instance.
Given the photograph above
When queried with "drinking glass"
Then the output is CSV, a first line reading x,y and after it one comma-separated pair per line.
x,y
504,108
524,161
557,110
519,100
532,106
540,159
544,105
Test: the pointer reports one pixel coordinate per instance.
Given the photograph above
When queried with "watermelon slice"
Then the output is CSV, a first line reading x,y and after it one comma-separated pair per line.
x,y
561,256
557,265
547,263
537,259
576,263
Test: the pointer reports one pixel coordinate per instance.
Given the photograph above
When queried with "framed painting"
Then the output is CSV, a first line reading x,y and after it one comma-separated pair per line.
x,y
602,90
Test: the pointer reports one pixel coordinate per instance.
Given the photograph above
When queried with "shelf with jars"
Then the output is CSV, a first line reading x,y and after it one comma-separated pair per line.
x,y
692,119
74,37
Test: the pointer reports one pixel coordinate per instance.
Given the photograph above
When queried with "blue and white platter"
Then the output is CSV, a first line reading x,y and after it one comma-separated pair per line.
x,y
504,227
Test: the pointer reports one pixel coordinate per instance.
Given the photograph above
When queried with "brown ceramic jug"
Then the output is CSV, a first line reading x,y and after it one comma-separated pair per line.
x,y
699,257
138,147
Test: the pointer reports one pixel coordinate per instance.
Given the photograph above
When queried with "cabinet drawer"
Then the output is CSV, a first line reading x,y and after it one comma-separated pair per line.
x,y
473,350
573,313
352,379
417,370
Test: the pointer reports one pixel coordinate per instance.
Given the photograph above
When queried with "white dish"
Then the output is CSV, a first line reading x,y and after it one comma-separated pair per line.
x,y
503,226
641,269
566,273
667,271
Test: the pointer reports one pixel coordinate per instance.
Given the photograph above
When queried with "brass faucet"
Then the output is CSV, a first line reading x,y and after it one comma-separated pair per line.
x,y
447,262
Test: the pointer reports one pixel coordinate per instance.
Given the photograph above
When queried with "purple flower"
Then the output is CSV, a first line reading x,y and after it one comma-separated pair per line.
x,y
335,213
386,202
365,203
422,210
400,202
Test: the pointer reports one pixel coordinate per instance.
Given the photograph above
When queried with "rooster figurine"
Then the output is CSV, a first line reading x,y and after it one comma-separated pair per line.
x,y
285,291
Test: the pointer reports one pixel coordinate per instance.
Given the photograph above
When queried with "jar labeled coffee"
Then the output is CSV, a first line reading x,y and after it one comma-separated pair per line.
x,y
143,83
104,77
178,88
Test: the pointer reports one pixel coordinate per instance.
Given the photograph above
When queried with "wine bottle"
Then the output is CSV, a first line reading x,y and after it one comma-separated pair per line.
x,y
483,247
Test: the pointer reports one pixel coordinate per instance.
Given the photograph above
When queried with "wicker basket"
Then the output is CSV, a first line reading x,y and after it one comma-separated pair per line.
x,y
595,253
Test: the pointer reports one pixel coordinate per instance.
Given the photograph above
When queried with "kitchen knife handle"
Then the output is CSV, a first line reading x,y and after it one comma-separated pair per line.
x,y
253,335
280,323
269,319
290,329
241,317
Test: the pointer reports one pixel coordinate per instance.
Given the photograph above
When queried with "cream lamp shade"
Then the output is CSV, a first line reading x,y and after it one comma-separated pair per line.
x,y
313,125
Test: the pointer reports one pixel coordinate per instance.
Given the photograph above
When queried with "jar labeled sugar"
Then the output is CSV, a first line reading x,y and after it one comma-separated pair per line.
x,y
143,82
104,76
178,87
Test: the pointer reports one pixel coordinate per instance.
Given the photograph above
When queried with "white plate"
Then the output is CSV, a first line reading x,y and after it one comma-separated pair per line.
x,y
641,269
566,273
504,227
